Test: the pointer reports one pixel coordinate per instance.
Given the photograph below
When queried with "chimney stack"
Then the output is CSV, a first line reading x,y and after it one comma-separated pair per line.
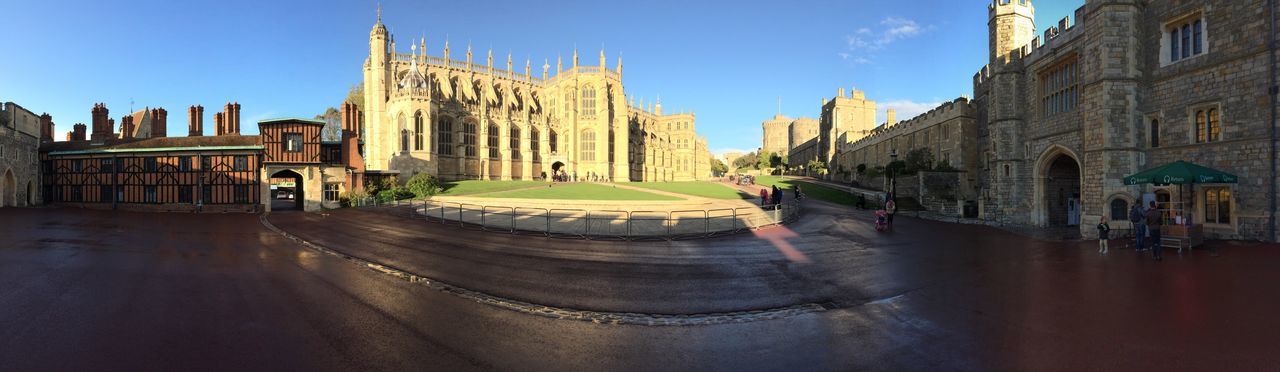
x,y
46,128
351,158
159,123
195,121
126,127
219,126
102,126
236,115
77,132
231,119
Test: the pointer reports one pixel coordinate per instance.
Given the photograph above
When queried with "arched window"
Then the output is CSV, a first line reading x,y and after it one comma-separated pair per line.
x,y
1200,134
493,142
1215,130
1155,132
587,147
589,101
469,139
404,135
444,136
534,144
418,132
515,142
1119,209
553,139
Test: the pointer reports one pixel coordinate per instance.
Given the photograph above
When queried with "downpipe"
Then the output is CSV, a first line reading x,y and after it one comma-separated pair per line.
x,y
1272,91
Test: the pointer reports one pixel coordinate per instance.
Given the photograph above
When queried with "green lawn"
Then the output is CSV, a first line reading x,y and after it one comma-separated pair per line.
x,y
470,187
812,190
579,191
695,188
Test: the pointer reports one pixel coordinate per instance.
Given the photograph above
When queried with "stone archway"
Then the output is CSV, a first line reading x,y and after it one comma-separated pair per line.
x,y
1057,188
8,190
284,197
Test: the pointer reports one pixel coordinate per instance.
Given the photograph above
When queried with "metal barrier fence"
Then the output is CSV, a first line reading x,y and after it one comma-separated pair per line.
x,y
592,224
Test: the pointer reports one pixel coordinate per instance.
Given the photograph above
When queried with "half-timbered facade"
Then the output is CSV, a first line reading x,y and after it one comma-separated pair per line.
x,y
172,174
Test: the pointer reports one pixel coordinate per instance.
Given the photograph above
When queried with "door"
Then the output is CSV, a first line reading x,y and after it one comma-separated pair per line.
x,y
1073,211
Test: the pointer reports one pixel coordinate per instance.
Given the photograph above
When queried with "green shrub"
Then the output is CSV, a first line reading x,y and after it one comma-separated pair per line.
x,y
423,185
393,194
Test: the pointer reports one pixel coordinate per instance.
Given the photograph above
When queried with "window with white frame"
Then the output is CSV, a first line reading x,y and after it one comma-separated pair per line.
x,y
1184,38
331,192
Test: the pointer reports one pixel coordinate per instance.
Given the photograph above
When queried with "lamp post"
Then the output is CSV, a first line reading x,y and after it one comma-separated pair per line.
x,y
893,179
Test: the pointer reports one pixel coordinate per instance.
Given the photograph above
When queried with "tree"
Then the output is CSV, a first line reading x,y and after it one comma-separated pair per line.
x,y
816,166
745,161
762,159
918,160
944,166
356,96
861,169
423,185
718,166
776,160
332,125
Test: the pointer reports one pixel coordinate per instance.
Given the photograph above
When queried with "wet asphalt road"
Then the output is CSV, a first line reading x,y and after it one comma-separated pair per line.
x,y
94,290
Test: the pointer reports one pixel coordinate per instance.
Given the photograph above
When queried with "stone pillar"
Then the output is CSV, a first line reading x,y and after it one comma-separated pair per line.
x,y
504,150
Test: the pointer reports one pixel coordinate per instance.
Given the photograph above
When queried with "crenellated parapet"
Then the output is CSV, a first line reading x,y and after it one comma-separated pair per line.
x,y
960,107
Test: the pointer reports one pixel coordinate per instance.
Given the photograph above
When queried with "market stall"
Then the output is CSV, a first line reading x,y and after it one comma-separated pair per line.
x,y
1179,228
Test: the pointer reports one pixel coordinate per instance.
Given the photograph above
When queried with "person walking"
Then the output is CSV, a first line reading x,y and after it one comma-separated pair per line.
x,y
1138,216
1104,231
777,197
1154,220
764,197
891,208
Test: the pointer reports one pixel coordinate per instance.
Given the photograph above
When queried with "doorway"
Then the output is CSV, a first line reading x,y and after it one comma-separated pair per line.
x,y
1058,189
286,191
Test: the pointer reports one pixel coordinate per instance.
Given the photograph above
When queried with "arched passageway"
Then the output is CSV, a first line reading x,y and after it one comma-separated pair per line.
x,y
286,191
1061,180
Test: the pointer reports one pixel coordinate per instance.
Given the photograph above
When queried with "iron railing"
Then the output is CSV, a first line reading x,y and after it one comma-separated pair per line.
x,y
591,224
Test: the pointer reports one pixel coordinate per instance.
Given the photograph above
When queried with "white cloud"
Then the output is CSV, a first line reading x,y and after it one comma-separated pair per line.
x,y
905,108
864,42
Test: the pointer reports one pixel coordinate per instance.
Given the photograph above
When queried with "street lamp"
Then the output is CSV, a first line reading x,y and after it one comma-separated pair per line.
x,y
893,180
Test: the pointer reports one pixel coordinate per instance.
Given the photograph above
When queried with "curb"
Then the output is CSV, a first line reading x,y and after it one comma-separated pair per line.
x,y
598,317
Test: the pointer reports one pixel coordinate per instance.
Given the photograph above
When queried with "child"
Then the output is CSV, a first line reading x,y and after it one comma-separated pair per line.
x,y
1103,231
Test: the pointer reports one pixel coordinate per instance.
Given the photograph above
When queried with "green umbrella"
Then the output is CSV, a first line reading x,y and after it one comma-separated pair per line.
x,y
1180,173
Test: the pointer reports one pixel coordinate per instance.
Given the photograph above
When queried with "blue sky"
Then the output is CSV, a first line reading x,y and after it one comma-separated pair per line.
x,y
726,60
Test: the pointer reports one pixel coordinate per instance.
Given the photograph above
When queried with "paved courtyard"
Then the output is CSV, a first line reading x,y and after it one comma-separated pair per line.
x,y
83,289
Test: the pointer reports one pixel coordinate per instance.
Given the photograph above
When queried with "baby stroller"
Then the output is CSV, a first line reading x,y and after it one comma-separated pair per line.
x,y
882,220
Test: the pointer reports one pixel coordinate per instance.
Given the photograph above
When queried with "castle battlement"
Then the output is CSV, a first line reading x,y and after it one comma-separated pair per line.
x,y
943,112
1054,37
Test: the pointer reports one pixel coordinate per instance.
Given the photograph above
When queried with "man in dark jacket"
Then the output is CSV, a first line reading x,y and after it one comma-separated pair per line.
x,y
1154,220
1138,217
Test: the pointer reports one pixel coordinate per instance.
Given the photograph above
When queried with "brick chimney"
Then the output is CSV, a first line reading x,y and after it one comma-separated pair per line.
x,y
220,126
235,118
351,120
195,121
102,126
77,132
159,123
46,128
127,127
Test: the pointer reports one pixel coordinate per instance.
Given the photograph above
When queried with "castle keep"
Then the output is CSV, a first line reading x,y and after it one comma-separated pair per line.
x,y
1057,120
